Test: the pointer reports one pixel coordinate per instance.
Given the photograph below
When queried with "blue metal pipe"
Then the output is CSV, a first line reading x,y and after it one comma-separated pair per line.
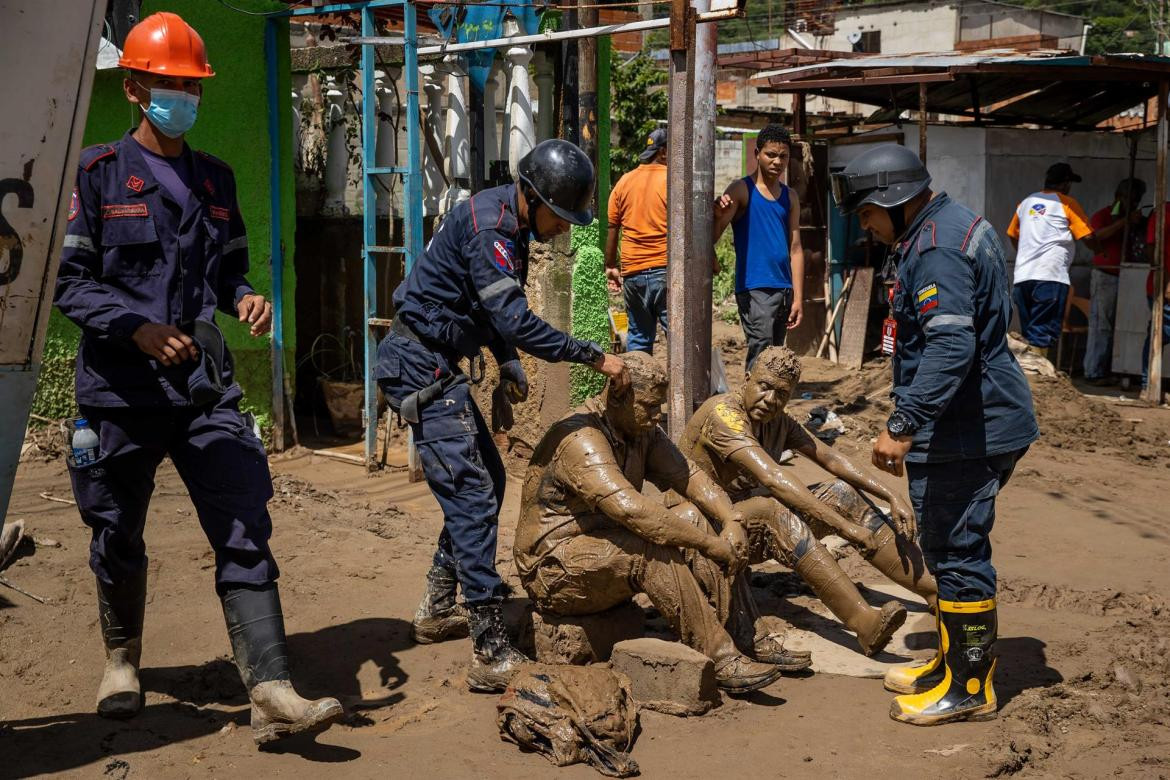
x,y
370,228
413,217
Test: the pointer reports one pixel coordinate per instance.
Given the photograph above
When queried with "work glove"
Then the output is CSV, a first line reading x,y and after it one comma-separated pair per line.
x,y
502,417
513,381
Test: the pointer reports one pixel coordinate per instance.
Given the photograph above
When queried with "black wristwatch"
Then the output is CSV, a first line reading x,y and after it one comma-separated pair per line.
x,y
900,425
593,353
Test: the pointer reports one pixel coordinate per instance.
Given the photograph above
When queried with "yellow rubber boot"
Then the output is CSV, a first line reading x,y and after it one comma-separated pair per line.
x,y
966,692
917,678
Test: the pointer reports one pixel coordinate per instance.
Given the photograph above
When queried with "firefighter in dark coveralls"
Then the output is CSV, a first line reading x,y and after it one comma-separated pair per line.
x,y
155,244
962,413
464,294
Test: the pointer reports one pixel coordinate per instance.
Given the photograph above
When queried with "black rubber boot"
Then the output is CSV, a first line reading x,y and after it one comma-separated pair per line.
x,y
493,659
439,616
121,609
967,635
255,625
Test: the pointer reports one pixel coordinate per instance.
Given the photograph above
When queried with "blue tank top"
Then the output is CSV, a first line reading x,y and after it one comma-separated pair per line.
x,y
761,242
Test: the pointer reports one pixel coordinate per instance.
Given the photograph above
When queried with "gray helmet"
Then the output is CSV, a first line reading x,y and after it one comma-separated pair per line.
x,y
887,175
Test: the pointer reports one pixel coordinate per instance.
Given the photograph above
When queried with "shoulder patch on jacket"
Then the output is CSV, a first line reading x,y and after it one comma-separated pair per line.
x,y
926,298
91,155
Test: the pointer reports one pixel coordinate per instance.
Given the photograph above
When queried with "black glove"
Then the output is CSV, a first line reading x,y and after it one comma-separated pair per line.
x,y
513,382
502,418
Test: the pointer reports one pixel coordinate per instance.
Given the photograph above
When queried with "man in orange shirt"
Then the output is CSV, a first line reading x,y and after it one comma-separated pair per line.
x,y
637,208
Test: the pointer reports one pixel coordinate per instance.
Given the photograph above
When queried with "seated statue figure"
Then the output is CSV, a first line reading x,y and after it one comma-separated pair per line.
x,y
588,539
737,439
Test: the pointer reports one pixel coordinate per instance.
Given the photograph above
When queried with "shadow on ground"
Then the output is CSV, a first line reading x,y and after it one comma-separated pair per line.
x,y
324,663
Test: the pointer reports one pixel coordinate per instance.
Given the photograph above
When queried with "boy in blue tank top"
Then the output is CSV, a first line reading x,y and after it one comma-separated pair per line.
x,y
764,215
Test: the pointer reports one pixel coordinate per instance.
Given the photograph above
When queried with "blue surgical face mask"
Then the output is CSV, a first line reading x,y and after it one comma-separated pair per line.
x,y
172,111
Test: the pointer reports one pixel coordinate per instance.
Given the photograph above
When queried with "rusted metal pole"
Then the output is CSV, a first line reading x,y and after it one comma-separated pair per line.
x,y
922,122
680,298
1154,385
798,114
703,208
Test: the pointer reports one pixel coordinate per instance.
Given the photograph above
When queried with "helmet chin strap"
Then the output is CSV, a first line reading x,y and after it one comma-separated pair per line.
x,y
533,202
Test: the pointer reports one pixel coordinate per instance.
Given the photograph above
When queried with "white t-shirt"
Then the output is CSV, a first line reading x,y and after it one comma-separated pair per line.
x,y
1046,227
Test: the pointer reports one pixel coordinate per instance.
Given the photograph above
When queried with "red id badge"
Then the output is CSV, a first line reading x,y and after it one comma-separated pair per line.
x,y
889,335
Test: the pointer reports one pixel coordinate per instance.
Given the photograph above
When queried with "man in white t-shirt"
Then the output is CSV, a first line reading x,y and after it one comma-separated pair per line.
x,y
1044,230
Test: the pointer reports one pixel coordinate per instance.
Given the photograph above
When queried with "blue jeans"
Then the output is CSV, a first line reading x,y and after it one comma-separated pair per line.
x,y
460,461
1102,310
645,294
955,505
1146,345
1041,309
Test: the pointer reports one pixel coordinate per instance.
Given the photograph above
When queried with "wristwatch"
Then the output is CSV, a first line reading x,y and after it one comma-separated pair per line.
x,y
899,424
593,352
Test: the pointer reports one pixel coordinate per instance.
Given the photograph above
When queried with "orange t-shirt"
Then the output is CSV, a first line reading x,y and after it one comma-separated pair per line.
x,y
637,205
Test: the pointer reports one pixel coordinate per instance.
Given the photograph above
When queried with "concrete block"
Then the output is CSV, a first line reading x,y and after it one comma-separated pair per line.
x,y
585,639
667,677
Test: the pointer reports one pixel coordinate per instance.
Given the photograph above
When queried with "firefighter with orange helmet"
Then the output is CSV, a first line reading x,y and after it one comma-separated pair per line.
x,y
155,245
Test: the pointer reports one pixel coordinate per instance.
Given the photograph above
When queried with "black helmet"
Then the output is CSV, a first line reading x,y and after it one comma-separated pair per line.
x,y
561,175
887,175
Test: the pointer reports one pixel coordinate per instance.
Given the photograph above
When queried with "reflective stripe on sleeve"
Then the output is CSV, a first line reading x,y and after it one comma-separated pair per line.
x,y
497,287
940,320
235,244
79,242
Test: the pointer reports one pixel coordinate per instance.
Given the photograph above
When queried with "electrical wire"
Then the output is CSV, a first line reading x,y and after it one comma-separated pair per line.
x,y
246,12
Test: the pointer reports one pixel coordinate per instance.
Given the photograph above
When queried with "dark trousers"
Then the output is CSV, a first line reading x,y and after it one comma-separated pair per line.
x,y
763,314
460,461
219,459
645,294
1041,309
955,506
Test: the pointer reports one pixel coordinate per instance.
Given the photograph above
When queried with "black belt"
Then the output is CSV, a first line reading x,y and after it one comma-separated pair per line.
x,y
400,328
413,404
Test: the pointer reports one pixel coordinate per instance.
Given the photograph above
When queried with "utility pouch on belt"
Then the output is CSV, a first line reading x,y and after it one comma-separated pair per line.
x,y
211,377
412,405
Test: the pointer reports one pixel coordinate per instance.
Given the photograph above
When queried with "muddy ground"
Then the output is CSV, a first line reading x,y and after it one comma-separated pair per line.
x,y
1081,547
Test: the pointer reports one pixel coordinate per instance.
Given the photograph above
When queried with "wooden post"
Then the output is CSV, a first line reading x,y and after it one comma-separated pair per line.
x,y
587,82
702,254
681,298
1154,385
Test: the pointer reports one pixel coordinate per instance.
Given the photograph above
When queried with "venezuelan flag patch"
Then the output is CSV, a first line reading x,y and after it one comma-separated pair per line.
x,y
927,298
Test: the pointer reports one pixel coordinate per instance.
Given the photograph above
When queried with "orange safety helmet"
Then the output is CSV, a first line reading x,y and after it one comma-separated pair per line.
x,y
163,43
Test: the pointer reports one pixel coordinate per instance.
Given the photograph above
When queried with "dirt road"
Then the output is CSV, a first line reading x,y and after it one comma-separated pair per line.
x,y
1081,547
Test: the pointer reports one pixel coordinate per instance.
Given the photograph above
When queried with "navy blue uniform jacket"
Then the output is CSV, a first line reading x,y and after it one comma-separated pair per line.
x,y
954,375
132,255
467,290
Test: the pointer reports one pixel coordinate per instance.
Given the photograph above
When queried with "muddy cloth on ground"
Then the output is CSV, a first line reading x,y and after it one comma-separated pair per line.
x,y
571,715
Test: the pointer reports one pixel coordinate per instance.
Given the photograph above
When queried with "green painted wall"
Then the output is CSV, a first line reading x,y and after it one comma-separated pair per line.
x,y
232,125
590,319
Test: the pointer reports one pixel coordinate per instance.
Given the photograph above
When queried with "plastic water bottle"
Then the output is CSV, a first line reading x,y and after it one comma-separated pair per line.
x,y
85,443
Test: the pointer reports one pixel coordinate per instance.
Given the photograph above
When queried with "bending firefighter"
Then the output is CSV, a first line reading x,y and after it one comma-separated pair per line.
x,y
962,413
465,293
154,245
588,539
737,439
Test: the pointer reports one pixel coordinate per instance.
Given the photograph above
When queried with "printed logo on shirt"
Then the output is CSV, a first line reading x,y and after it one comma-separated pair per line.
x,y
503,255
927,298
731,417
135,183
219,212
120,210
1037,210
74,205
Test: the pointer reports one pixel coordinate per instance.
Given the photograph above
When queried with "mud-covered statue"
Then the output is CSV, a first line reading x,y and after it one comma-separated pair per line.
x,y
737,439
588,539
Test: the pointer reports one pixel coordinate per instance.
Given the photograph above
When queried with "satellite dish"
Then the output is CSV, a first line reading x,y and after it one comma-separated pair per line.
x,y
853,37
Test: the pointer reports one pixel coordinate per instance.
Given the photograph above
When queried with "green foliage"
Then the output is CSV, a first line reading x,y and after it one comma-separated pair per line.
x,y
590,318
639,104
55,397
723,284
1118,25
